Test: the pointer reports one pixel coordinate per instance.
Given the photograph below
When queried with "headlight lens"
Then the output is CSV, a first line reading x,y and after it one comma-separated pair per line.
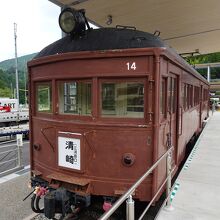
x,y
67,21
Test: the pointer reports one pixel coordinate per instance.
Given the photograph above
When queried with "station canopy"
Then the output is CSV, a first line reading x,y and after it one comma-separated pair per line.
x,y
189,26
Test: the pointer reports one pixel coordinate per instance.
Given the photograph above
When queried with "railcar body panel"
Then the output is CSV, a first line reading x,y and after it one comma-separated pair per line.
x,y
104,141
137,105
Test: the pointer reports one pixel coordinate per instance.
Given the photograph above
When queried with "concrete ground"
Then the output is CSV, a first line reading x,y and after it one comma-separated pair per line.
x,y
197,197
12,193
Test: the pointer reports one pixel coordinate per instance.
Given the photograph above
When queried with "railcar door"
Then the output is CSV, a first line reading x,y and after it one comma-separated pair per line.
x,y
173,92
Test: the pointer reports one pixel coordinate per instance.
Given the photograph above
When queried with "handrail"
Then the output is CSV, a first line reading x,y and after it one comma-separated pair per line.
x,y
128,194
161,187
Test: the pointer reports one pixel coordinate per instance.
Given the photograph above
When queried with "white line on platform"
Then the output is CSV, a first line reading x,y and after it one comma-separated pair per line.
x,y
27,167
8,177
12,175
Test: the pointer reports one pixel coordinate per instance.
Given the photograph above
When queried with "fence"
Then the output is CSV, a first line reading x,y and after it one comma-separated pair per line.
x,y
11,157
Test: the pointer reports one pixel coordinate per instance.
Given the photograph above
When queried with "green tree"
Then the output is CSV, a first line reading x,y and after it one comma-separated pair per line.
x,y
208,58
5,92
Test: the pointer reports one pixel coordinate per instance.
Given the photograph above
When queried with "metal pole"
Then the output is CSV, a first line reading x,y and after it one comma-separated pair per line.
x,y
16,70
208,74
19,145
16,62
25,87
130,208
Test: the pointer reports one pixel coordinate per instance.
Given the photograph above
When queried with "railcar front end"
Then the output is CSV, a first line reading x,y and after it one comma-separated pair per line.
x,y
91,123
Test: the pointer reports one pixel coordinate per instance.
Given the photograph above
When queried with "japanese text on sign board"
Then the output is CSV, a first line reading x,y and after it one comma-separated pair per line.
x,y
72,158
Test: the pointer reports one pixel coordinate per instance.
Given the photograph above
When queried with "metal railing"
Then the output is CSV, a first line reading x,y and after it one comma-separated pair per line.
x,y
130,204
8,156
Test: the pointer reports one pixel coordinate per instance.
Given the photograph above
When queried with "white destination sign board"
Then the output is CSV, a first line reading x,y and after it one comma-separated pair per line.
x,y
69,152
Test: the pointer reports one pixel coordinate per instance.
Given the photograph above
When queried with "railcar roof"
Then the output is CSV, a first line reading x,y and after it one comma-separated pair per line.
x,y
103,39
110,39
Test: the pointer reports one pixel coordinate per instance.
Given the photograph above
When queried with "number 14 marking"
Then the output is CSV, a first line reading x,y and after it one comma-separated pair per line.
x,y
131,66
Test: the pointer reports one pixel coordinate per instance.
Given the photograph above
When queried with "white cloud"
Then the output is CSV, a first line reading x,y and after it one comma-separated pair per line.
x,y
37,26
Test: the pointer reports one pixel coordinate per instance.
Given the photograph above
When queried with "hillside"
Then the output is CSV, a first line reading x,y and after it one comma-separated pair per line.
x,y
7,77
8,65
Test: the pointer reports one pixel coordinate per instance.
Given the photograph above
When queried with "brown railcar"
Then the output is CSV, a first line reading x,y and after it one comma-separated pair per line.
x,y
101,114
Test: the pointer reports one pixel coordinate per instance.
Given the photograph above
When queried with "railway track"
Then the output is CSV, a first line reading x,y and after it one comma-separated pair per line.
x,y
95,211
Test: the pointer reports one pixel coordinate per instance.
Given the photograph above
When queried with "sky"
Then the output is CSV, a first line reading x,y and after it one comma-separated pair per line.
x,y
37,26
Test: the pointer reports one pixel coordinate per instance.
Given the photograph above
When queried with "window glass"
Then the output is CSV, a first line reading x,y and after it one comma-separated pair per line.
x,y
163,97
185,96
44,98
169,94
188,96
172,95
196,95
205,97
75,98
190,93
122,99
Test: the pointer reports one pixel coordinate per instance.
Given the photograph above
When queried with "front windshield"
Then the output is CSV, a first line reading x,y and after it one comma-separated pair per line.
x,y
122,99
75,98
114,99
44,97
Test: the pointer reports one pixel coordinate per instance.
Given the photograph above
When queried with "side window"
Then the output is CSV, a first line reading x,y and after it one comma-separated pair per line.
x,y
169,94
194,91
122,99
185,103
44,97
205,95
196,95
192,95
172,95
188,96
75,98
163,95
183,95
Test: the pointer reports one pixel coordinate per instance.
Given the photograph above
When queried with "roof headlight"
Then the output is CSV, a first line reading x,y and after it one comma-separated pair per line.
x,y
72,21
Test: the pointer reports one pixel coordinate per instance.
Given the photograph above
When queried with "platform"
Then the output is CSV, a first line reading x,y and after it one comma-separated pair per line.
x,y
196,195
13,188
